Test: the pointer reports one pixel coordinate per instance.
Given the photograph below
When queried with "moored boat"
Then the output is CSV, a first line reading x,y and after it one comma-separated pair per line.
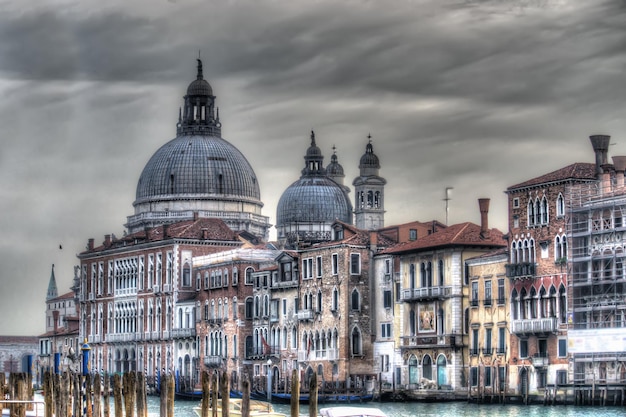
x,y
257,409
346,411
283,398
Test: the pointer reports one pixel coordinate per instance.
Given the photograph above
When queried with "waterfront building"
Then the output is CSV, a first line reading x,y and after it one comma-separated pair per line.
x,y
59,344
489,323
538,274
597,308
132,291
434,303
18,354
233,311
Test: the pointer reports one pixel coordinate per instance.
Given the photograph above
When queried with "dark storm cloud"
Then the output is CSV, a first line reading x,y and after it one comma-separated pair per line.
x,y
473,94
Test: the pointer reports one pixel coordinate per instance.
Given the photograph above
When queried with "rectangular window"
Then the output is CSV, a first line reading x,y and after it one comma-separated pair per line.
x,y
474,348
412,234
385,332
562,350
335,264
474,376
318,266
284,306
474,299
523,348
502,377
487,348
502,340
307,268
355,263
516,202
542,378
488,380
487,300
398,292
387,298
561,377
501,296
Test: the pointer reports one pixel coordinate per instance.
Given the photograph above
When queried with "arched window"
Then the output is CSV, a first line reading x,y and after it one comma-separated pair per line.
x,y
335,305
249,272
319,301
355,300
427,367
531,213
356,342
544,210
560,206
440,270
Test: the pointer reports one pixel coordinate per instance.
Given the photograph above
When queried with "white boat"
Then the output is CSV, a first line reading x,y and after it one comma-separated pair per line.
x,y
351,412
34,408
257,408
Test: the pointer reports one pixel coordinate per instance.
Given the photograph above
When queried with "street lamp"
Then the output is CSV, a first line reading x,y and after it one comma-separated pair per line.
x,y
269,380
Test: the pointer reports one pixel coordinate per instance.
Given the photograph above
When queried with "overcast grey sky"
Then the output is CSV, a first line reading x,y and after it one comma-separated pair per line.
x,y
471,94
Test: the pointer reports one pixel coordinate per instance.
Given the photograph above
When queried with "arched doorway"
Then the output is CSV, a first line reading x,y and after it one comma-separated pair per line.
x,y
427,367
413,370
442,374
523,382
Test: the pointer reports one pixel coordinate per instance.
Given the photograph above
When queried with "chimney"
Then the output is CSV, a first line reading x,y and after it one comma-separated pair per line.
x,y
90,244
205,233
600,145
620,166
195,216
107,240
483,204
373,240
165,230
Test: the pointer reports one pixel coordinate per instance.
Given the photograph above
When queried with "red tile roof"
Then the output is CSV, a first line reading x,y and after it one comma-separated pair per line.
x,y
462,234
577,171
210,229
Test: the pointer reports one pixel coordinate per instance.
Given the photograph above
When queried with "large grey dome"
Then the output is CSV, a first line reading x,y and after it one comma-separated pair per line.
x,y
313,200
194,167
199,174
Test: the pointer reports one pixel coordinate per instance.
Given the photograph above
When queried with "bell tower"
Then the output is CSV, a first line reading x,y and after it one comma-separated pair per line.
x,y
369,187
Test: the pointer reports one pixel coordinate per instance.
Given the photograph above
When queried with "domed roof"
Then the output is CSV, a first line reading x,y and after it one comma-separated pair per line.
x,y
197,166
313,199
199,86
369,158
334,168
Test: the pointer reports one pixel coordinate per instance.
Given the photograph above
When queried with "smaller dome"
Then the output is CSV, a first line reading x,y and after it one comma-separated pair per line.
x,y
199,86
369,158
313,150
334,168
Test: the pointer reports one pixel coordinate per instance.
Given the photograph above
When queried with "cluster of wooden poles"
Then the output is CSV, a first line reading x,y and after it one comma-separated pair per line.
x,y
74,395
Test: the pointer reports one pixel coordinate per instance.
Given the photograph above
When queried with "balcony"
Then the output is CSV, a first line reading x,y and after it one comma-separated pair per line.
x,y
425,293
120,337
182,333
213,361
540,360
262,352
304,315
318,355
447,340
215,321
534,326
521,270
285,284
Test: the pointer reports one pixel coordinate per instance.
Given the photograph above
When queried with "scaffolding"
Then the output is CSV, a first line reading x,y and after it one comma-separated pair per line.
x,y
596,233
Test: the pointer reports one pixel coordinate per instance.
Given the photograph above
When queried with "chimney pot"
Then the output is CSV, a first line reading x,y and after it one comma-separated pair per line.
x,y
600,145
483,205
90,244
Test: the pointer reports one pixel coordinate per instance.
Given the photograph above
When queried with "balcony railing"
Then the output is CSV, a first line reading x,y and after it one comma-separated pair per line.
x,y
540,360
521,270
121,337
535,326
322,354
285,284
425,293
181,333
447,340
304,315
213,361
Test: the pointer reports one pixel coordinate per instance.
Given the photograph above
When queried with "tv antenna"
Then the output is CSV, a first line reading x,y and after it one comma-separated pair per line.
x,y
446,199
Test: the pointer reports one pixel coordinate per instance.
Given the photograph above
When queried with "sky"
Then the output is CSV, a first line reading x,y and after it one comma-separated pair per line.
x,y
477,95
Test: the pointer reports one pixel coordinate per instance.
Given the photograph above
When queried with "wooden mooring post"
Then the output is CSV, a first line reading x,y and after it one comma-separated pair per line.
x,y
107,395
225,391
313,395
164,396
206,393
97,396
295,393
245,402
214,389
118,409
142,399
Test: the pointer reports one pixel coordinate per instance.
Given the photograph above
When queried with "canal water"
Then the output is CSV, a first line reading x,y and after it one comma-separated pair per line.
x,y
445,409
